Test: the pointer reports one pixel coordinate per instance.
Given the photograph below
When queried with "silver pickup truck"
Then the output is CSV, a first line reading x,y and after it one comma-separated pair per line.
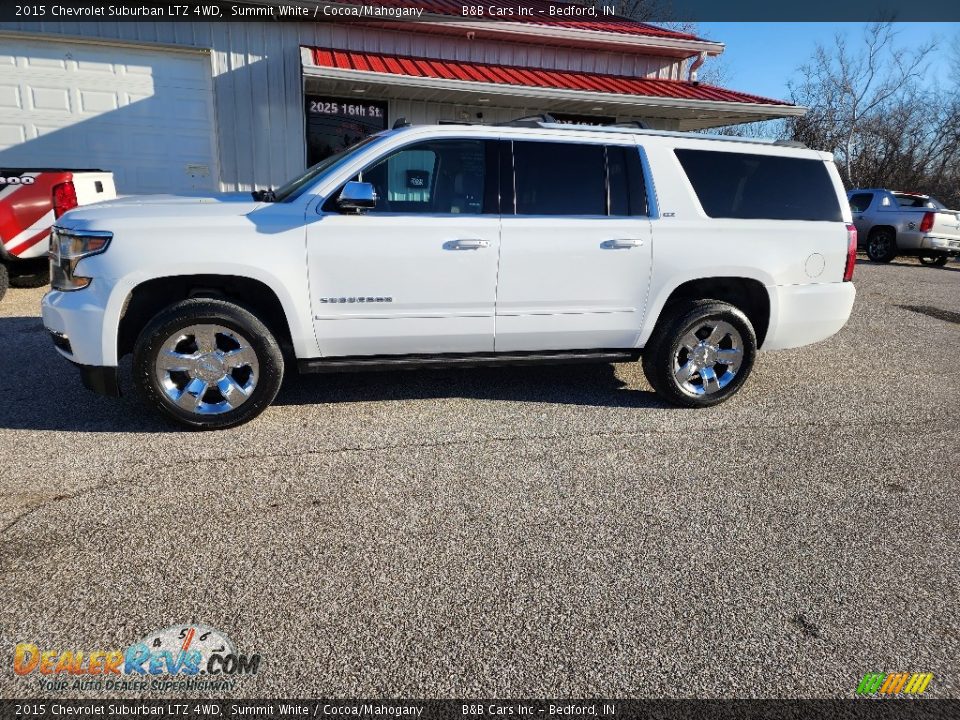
x,y
891,223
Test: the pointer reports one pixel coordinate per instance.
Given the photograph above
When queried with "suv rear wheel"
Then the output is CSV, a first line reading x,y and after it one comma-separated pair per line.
x,y
882,245
702,355
207,364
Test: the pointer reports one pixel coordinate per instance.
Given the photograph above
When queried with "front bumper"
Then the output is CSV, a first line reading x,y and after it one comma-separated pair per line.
x,y
77,321
75,324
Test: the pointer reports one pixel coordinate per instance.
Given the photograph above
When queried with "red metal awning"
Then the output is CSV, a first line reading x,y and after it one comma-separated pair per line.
x,y
530,77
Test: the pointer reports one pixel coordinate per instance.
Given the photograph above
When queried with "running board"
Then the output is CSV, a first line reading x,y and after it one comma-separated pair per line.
x,y
360,363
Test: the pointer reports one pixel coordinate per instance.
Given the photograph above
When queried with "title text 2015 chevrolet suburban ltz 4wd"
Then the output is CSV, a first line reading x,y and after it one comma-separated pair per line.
x,y
462,245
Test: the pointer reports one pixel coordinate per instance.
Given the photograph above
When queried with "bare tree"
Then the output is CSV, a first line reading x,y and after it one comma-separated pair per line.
x,y
849,90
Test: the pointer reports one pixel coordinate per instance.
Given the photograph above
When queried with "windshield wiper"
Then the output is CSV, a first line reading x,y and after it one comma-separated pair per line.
x,y
269,195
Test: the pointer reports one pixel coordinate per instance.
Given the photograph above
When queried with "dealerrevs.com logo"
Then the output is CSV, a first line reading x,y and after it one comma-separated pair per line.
x,y
185,657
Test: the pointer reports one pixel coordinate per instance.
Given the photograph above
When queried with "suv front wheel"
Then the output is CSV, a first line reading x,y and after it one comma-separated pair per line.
x,y
701,355
207,364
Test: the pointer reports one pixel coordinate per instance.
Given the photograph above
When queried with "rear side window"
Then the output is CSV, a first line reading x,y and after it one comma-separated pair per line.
x,y
560,178
761,187
859,202
628,196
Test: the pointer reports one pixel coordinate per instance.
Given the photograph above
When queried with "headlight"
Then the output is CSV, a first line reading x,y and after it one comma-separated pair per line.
x,y
67,248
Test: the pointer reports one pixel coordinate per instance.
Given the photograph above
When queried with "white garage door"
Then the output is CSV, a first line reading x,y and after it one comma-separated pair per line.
x,y
146,115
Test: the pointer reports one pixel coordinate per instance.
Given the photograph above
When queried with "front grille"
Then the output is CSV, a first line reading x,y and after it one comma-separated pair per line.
x,y
61,341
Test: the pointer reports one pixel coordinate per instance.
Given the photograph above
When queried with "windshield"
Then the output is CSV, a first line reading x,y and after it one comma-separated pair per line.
x,y
918,201
296,186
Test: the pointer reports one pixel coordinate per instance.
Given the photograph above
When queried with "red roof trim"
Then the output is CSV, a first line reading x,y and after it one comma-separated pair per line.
x,y
531,77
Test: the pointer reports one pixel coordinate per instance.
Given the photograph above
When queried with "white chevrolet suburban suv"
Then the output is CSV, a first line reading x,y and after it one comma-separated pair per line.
x,y
461,246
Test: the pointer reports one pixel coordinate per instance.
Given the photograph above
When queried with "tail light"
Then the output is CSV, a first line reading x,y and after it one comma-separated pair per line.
x,y
64,198
926,225
851,253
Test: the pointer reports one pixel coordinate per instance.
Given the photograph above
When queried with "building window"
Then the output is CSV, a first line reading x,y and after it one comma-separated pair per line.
x,y
334,124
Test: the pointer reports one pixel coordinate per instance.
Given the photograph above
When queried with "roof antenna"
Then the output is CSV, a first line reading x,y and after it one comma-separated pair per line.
x,y
401,122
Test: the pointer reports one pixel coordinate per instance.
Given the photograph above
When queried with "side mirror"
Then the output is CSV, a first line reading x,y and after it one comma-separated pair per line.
x,y
357,196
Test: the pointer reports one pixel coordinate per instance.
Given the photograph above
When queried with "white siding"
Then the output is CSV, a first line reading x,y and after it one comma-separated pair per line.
x,y
258,88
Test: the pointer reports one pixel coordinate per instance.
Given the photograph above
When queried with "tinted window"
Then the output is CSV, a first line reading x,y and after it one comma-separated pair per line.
x,y
860,202
628,195
748,186
435,177
560,179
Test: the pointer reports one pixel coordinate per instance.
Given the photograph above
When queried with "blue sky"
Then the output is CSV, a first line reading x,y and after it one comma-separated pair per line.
x,y
761,57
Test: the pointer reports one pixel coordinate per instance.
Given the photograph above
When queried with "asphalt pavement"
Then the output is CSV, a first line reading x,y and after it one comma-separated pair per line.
x,y
534,532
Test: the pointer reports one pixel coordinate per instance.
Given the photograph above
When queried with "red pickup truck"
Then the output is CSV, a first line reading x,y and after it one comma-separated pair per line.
x,y
31,199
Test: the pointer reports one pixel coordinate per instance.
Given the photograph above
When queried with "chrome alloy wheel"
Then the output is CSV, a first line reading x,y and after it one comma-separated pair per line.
x,y
207,369
708,357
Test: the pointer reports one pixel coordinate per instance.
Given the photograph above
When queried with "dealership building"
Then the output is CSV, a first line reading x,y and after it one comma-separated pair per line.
x,y
199,106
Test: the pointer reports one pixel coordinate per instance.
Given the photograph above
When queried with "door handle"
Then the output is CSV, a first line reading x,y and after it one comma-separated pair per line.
x,y
622,243
466,244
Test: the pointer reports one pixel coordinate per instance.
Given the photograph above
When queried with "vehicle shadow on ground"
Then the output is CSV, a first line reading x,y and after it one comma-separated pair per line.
x,y
594,385
39,390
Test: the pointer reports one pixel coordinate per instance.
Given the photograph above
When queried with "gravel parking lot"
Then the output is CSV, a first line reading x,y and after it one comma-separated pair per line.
x,y
514,532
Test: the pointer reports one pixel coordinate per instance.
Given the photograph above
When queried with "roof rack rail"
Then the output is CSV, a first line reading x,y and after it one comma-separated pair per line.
x,y
546,121
529,121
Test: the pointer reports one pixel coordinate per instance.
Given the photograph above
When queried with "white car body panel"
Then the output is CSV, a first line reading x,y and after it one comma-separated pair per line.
x,y
229,235
418,294
564,285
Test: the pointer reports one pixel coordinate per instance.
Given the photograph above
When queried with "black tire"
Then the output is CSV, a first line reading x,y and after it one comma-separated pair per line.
x,y
229,327
882,245
663,353
933,260
32,273
4,280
